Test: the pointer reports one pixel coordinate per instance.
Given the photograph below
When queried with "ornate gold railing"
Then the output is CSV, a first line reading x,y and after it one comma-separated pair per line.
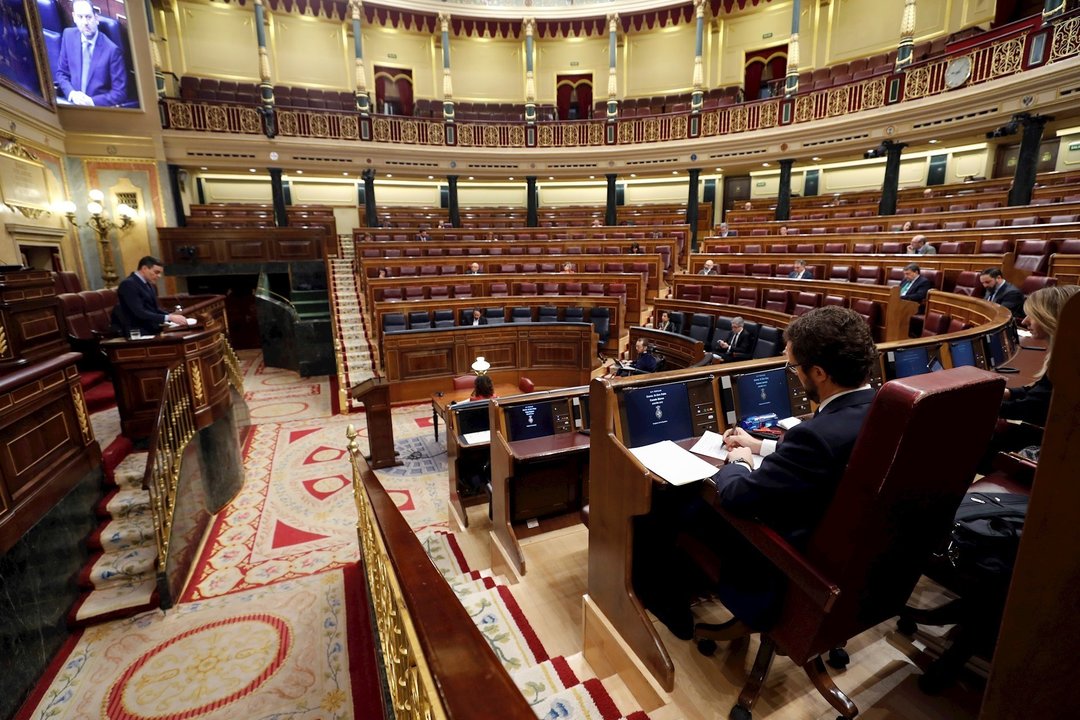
x,y
437,663
997,57
174,429
232,365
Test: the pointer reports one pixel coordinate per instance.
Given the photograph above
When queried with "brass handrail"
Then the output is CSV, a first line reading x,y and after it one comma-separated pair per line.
x,y
232,365
433,655
173,430
338,339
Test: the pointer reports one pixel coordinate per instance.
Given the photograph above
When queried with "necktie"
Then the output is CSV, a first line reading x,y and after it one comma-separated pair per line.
x,y
904,288
85,66
991,298
734,341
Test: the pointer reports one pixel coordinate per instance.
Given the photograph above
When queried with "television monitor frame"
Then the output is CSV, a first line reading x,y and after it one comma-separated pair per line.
x,y
923,360
969,343
467,410
740,413
997,340
633,437
516,432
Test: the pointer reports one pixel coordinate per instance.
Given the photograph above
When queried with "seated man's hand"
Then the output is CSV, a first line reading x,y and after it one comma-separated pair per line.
x,y
740,454
80,98
177,319
738,438
724,345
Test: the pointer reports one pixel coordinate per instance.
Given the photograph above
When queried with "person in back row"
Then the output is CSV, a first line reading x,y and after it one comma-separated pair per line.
x,y
737,345
915,286
801,272
919,246
997,290
709,268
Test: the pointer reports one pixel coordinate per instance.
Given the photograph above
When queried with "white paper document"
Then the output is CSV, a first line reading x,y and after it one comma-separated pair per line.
x,y
477,437
672,463
712,445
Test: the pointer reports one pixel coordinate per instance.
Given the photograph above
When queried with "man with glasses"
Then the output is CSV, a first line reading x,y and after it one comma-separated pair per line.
x,y
830,351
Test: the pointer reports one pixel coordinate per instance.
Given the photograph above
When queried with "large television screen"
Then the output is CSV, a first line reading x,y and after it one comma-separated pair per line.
x,y
657,412
762,399
89,50
534,420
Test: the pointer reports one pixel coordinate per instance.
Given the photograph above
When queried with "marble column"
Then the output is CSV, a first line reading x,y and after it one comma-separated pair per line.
x,y
155,50
890,186
266,86
783,197
370,215
531,202
791,79
530,80
612,84
1027,161
447,85
610,214
452,200
692,206
177,196
277,193
697,98
363,100
905,51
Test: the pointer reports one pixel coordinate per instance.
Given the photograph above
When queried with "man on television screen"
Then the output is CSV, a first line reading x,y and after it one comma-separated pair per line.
x,y
91,68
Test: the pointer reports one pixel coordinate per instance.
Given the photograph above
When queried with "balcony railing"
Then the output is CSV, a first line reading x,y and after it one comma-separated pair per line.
x,y
1001,56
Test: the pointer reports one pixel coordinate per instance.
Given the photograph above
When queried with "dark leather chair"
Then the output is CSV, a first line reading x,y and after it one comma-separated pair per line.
x,y
495,315
1033,256
891,248
443,318
805,302
464,382
700,328
419,320
574,314
689,292
601,322
547,313
996,246
1036,282
775,300
868,275
463,291
935,323
1069,247
747,297
393,322
967,283
720,294
870,311
835,300
841,272
836,247
521,315
886,517
770,342
862,247
499,289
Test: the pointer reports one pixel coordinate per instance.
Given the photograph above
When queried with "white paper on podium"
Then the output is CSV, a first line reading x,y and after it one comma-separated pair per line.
x,y
672,463
712,445
477,437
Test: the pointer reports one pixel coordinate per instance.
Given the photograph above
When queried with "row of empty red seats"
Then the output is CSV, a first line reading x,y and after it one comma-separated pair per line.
x,y
517,289
503,268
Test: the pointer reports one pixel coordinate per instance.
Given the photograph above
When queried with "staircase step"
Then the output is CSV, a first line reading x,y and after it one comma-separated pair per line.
x,y
129,473
119,568
118,535
540,683
500,620
100,397
117,601
445,554
588,700
90,378
125,503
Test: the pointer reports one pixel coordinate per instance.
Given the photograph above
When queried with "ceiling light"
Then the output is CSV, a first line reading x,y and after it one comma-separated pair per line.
x,y
674,172
389,175
251,169
816,158
202,168
592,177
430,177
934,142
766,165
345,174
719,169
471,177
299,172
509,178
551,177
633,174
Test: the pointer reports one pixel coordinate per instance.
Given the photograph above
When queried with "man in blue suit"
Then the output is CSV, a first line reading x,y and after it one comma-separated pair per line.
x,y
137,307
830,351
91,68
915,286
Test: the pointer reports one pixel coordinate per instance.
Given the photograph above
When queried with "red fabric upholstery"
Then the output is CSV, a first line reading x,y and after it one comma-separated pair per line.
x,y
1036,282
689,292
805,302
935,323
837,300
464,382
747,297
891,248
775,300
526,385
996,246
967,283
863,247
1033,256
868,275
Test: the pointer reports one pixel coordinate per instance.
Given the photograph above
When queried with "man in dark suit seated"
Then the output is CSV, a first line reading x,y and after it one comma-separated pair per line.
x,y
91,68
830,351
478,318
137,307
915,286
999,291
738,343
709,268
801,272
645,361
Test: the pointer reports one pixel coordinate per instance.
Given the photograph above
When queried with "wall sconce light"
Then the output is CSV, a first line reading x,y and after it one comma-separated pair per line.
x,y
102,225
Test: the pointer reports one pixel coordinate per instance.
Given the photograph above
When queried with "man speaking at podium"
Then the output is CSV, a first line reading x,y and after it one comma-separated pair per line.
x,y
138,307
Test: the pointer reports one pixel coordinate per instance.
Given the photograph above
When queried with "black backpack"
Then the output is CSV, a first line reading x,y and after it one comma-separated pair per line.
x,y
986,536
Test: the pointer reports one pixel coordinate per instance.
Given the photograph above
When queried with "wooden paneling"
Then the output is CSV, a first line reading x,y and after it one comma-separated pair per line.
x,y
46,442
30,326
188,246
420,362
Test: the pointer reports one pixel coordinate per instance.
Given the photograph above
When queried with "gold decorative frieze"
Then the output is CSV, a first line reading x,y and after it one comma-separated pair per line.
x,y
1008,57
249,121
838,101
804,108
545,136
873,94
1066,39
5,349
465,135
710,123
179,115
739,118
196,382
216,118
596,133
320,126
770,115
917,84
409,132
350,127
380,128
80,413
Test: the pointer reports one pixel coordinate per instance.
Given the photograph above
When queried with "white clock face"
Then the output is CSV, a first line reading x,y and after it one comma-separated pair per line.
x,y
956,74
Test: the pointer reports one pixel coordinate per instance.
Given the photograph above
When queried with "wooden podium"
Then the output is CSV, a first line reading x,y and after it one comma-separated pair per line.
x,y
374,393
141,366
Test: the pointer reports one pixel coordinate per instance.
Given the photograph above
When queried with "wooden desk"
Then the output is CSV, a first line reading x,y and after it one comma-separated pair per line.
x,y
537,484
441,401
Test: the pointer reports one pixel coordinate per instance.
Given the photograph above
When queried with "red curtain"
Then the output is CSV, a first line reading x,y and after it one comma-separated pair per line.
x,y
393,90
573,96
762,68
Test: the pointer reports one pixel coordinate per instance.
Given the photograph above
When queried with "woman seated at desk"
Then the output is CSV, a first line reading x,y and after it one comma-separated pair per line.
x,y
483,388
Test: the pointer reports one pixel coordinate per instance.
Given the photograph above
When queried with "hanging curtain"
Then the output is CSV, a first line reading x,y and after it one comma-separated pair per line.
x,y
393,91
573,96
762,71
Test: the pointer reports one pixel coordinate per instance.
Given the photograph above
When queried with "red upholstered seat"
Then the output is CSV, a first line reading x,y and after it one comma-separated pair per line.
x,y
868,275
935,323
720,294
888,514
870,311
891,248
996,246
835,300
804,248
752,249
1036,282
463,291
988,222
778,248
761,270
747,297
775,300
73,311
549,289
689,292
439,292
841,272
464,382
527,288
1033,256
1069,247
572,288
967,283
805,302
499,289
835,247
862,247
414,293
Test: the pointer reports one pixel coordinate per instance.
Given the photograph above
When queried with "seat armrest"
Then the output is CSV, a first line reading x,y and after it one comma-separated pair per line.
x,y
779,552
1017,468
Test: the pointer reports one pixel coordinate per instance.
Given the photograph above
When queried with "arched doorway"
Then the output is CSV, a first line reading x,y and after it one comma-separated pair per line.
x,y
764,72
573,96
393,91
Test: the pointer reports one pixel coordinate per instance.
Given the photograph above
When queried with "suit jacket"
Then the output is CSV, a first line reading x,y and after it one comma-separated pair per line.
x,y
137,307
646,362
918,289
704,271
741,349
808,274
482,320
1008,295
794,485
667,327
789,492
107,82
